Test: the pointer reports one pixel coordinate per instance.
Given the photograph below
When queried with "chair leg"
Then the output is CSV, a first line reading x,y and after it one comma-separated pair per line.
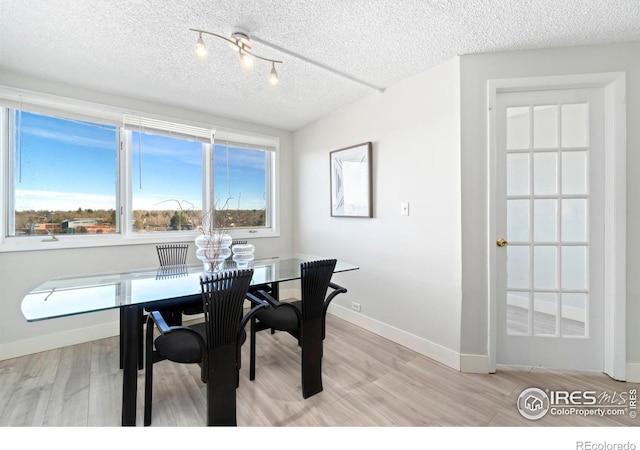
x,y
312,358
121,349
148,375
238,364
143,319
221,386
252,350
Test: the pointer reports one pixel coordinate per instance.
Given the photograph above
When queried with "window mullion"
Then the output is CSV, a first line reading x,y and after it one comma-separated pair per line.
x,y
7,188
270,186
207,177
124,183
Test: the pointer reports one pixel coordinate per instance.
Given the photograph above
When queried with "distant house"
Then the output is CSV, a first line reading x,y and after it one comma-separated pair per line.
x,y
86,225
42,228
75,223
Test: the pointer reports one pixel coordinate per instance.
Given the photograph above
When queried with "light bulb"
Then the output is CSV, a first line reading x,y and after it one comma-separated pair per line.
x,y
273,76
246,60
201,49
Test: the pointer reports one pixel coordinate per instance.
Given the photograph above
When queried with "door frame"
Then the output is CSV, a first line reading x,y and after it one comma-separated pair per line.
x,y
614,87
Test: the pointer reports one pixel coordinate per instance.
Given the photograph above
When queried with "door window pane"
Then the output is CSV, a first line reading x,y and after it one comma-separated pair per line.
x,y
574,315
518,128
65,176
518,311
518,220
545,264
518,267
545,178
545,307
545,220
574,173
545,126
574,267
574,125
517,174
574,220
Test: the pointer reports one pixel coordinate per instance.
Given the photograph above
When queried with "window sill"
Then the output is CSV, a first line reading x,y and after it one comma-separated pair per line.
x,y
39,243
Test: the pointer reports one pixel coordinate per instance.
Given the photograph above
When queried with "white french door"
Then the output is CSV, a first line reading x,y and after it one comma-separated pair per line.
x,y
550,225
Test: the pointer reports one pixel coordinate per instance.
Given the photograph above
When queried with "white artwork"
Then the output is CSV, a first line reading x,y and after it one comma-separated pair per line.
x,y
351,181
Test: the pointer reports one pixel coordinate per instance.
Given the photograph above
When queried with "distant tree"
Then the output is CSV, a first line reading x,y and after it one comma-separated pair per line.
x,y
178,221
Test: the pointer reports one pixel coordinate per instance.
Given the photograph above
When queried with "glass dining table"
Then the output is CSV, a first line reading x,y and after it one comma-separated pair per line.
x,y
131,291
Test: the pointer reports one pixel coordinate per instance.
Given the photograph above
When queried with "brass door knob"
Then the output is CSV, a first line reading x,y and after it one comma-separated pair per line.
x,y
501,242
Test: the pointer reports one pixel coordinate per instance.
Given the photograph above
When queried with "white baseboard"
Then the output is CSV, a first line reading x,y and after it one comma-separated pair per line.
x,y
446,356
474,363
633,373
57,340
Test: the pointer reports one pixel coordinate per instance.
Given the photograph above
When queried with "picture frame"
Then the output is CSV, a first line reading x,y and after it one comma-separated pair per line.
x,y
351,173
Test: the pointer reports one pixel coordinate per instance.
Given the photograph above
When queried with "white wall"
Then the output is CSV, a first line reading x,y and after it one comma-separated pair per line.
x,y
22,271
476,70
409,282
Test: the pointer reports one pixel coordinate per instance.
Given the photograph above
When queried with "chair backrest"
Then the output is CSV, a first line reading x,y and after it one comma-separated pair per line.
x,y
223,296
316,276
172,271
172,254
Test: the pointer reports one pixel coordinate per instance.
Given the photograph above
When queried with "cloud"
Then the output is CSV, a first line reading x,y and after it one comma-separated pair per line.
x,y
61,201
66,138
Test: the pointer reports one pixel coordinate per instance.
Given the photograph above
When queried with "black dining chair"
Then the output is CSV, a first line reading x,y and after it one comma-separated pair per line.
x,y
213,344
303,319
173,258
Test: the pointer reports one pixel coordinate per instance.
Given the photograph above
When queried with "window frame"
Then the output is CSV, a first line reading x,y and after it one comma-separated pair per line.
x,y
11,99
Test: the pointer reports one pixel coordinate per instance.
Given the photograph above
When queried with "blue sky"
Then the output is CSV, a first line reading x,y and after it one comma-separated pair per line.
x,y
66,165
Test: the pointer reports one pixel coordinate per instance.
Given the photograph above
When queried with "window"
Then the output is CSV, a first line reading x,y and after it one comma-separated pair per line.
x,y
166,182
169,190
109,176
241,184
64,176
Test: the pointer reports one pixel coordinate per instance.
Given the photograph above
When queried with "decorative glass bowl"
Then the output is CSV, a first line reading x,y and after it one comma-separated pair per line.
x,y
243,254
213,249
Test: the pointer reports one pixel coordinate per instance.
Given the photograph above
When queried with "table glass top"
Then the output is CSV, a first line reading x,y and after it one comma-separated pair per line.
x,y
66,296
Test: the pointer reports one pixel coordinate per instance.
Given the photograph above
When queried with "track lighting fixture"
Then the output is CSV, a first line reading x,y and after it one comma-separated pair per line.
x,y
273,77
240,42
201,49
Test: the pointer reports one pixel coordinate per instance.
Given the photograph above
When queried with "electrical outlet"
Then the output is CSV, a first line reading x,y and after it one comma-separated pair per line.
x,y
355,306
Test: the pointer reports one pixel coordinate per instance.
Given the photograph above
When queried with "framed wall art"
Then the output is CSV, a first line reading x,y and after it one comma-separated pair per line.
x,y
351,194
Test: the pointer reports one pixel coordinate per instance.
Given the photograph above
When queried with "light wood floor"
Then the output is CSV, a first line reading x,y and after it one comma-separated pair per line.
x,y
368,381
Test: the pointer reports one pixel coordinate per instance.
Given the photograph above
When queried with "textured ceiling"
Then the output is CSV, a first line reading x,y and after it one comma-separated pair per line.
x,y
144,49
